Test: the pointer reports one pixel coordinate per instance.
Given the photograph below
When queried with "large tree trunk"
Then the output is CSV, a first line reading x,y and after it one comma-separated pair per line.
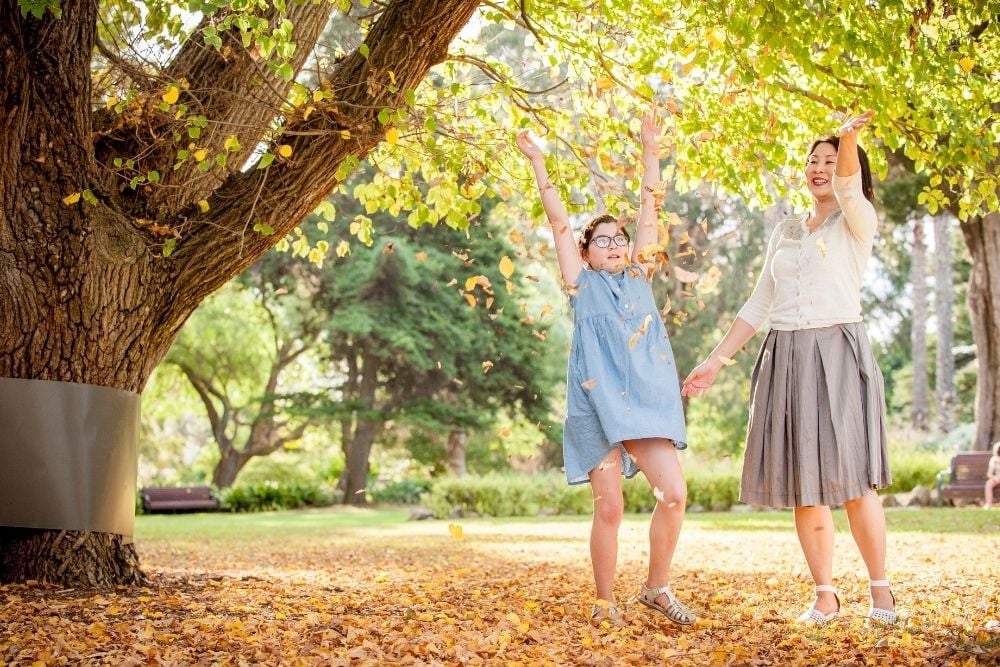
x,y
86,296
944,382
982,236
918,278
354,479
458,439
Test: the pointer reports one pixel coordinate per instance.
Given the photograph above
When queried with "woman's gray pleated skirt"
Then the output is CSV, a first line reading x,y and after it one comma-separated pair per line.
x,y
817,431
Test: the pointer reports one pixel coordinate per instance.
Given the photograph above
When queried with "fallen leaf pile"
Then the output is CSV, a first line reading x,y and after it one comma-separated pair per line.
x,y
504,593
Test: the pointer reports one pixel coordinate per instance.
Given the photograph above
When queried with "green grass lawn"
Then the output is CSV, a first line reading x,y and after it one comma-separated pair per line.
x,y
303,523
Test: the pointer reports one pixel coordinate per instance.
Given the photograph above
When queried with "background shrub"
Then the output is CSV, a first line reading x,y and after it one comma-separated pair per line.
x,y
267,496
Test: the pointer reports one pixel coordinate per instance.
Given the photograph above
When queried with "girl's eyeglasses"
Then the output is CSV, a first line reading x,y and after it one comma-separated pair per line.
x,y
603,241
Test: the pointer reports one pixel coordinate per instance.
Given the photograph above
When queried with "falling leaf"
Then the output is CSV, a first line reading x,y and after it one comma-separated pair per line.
x,y
345,134
203,205
71,198
516,237
388,249
343,248
506,267
505,432
455,530
392,136
966,63
726,361
685,276
487,365
470,298
284,150
589,384
200,154
421,256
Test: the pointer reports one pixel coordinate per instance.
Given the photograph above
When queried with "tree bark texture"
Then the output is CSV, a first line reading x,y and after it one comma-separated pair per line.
x,y
86,294
982,236
944,299
919,410
458,439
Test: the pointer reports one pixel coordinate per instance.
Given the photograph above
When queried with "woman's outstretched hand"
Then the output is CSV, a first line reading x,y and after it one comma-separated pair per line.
x,y
854,124
696,384
526,145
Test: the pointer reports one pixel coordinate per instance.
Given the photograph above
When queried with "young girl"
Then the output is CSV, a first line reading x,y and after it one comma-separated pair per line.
x,y
992,476
817,416
624,409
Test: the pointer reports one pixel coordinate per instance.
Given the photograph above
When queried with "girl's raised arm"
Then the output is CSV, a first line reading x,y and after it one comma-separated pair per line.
x,y
568,254
647,227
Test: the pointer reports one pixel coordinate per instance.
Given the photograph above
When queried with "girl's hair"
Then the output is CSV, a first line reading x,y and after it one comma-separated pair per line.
x,y
588,232
866,170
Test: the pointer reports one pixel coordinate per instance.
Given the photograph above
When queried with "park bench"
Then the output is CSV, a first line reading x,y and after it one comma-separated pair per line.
x,y
178,499
965,478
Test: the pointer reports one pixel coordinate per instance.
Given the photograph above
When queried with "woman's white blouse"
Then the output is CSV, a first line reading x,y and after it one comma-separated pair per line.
x,y
814,280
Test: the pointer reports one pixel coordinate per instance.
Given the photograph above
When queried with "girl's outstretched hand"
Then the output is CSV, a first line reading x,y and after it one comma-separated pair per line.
x,y
696,384
652,128
855,123
527,146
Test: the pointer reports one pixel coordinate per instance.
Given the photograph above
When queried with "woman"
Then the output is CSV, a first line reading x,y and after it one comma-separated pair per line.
x,y
817,418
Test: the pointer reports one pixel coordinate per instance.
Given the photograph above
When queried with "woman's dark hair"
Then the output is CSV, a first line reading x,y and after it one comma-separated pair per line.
x,y
588,232
866,171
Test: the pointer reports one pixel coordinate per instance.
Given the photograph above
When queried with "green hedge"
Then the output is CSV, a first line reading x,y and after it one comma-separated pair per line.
x,y
713,486
273,496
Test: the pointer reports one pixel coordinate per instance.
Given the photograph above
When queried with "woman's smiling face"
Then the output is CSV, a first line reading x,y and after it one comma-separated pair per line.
x,y
819,170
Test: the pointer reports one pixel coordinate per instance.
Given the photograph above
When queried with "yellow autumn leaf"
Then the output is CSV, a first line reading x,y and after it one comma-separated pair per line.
x,y
455,530
716,37
471,299
726,361
200,154
516,237
487,365
470,283
71,199
392,135
605,83
821,244
421,256
203,205
172,94
343,248
966,63
506,267
284,150
111,102
505,432
345,134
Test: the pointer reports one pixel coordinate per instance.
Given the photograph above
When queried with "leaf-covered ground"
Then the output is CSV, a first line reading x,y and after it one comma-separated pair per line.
x,y
339,587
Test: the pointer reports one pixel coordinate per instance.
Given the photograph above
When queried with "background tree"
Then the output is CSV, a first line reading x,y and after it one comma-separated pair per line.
x,y
236,353
944,380
919,410
431,328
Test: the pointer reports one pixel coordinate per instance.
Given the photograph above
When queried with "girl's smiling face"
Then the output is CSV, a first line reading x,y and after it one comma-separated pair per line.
x,y
820,169
612,258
